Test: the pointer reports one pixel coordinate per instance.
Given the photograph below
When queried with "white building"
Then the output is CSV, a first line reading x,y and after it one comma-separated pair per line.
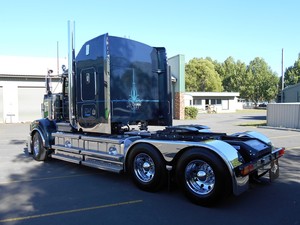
x,y
219,102
22,86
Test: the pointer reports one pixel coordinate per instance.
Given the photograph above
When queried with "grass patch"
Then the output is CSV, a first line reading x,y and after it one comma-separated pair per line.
x,y
245,111
254,124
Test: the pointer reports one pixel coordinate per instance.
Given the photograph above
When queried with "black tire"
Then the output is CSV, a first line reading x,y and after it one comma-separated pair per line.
x,y
39,153
203,176
147,168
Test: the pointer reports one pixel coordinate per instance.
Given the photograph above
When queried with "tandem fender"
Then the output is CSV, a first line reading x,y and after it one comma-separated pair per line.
x,y
225,151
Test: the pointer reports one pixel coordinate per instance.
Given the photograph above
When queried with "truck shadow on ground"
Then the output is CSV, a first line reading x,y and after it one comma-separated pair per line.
x,y
254,117
53,187
17,142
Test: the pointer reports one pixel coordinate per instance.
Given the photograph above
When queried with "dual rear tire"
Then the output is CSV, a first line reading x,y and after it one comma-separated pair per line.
x,y
200,173
147,167
203,176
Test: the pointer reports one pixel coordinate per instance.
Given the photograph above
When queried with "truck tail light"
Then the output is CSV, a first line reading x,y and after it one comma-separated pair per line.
x,y
247,169
281,152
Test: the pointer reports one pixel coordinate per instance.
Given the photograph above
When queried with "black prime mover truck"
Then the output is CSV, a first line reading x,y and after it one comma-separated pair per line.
x,y
115,84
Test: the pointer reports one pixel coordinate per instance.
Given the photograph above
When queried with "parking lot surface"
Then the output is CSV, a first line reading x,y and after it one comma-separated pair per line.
x,y
56,192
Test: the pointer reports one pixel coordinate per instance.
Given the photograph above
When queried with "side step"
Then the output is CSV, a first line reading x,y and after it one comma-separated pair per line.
x,y
102,165
98,160
66,158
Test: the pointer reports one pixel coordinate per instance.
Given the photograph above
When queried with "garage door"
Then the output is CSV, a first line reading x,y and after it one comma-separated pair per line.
x,y
1,104
30,100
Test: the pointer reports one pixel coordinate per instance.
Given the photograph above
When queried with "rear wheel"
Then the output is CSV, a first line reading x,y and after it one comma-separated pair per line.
x,y
203,176
146,167
38,150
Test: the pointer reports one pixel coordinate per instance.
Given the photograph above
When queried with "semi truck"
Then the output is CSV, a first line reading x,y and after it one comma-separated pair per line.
x,y
113,91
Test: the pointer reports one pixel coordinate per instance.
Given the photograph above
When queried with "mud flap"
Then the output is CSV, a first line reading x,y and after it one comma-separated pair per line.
x,y
274,171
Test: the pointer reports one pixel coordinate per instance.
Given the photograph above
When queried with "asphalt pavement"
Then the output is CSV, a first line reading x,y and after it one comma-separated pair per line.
x,y
56,192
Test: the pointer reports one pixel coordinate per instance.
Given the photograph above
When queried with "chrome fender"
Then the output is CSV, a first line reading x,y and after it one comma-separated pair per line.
x,y
253,134
230,156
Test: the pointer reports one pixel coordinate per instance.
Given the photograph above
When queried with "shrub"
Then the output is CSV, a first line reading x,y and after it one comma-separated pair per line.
x,y
190,112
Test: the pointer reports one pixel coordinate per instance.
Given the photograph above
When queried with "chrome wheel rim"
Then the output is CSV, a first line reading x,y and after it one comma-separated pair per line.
x,y
144,167
36,147
200,177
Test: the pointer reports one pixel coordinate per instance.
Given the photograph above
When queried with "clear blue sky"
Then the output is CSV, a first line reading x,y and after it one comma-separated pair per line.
x,y
195,28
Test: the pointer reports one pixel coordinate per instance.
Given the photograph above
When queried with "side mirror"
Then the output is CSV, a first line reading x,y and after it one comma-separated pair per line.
x,y
50,71
63,67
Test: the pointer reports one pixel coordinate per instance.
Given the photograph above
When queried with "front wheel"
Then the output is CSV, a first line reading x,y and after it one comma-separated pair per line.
x,y
146,167
38,150
203,176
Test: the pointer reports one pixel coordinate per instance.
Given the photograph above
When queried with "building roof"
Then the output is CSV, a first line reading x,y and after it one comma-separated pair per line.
x,y
213,94
33,66
292,87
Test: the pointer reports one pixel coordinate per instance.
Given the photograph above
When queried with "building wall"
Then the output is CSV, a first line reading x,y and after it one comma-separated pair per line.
x,y
285,115
21,101
1,104
177,65
179,106
215,101
10,102
292,93
21,95
29,102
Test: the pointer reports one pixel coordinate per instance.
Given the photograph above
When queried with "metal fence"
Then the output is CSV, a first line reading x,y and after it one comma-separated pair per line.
x,y
285,115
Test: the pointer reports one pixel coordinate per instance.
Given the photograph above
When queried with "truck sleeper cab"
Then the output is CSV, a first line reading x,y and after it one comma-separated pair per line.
x,y
114,83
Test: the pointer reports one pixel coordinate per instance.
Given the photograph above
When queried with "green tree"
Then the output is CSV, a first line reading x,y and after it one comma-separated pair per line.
x,y
260,83
232,74
202,76
291,74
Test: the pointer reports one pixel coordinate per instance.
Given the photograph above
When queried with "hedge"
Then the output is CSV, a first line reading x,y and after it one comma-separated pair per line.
x,y
190,112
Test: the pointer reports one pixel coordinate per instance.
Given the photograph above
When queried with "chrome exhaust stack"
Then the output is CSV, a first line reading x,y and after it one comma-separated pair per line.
x,y
71,74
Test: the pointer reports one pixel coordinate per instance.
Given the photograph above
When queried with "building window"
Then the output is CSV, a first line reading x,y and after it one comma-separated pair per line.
x,y
197,102
216,101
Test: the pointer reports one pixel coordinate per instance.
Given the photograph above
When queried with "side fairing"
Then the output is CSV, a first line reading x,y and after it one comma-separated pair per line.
x,y
139,88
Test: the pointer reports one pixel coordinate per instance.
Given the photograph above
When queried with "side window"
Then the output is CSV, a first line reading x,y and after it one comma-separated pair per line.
x,y
88,84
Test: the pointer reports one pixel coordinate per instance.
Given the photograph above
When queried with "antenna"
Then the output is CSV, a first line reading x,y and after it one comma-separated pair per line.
x,y
57,55
282,74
